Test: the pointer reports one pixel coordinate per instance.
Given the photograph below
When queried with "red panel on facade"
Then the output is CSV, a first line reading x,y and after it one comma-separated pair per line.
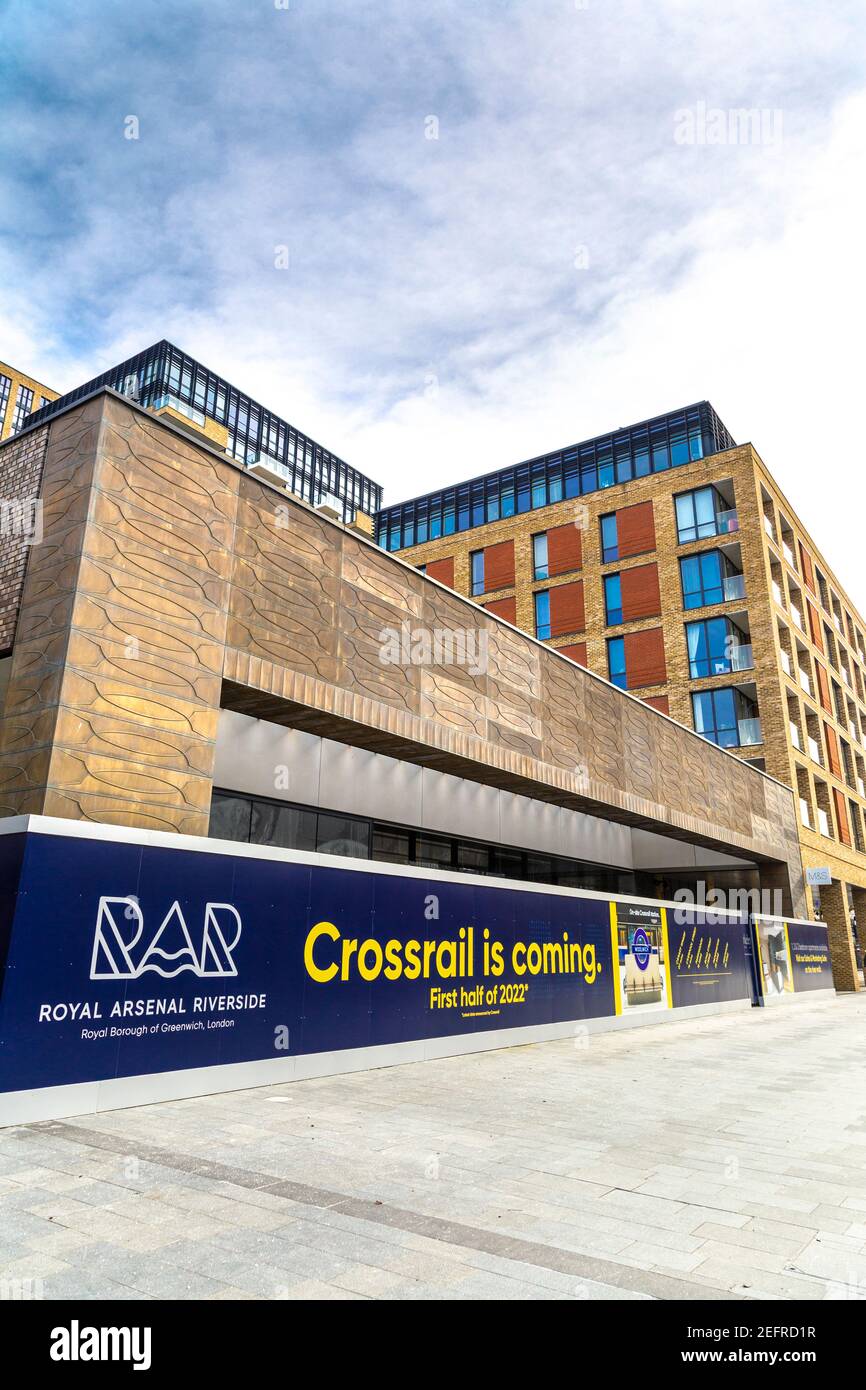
x,y
443,570
841,816
635,530
566,609
833,758
806,563
640,593
815,626
823,688
504,608
645,658
658,702
575,650
564,549
499,566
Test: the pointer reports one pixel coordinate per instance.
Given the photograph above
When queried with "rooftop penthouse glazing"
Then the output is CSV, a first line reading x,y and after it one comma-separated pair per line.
x,y
667,441
165,379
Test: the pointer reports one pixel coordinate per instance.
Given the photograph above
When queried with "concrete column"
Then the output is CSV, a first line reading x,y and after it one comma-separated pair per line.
x,y
834,909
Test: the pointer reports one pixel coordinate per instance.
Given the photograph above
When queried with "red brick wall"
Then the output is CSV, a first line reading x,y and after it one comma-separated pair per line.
x,y
576,651
21,463
645,658
499,566
443,570
504,608
640,593
635,529
566,608
564,549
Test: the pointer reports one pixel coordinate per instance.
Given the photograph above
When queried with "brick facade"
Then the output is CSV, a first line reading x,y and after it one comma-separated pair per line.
x,y
21,465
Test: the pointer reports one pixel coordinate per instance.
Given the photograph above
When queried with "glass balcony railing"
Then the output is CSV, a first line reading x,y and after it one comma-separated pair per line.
x,y
742,658
814,750
823,822
861,786
846,678
777,594
180,407
263,460
770,529
785,660
788,554
795,736
727,522
749,731
734,586
798,618
805,682
805,817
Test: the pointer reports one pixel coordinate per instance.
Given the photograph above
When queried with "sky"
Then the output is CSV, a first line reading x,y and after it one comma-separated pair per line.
x,y
444,237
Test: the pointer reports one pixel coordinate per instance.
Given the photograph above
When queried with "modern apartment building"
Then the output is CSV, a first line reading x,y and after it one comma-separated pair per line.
x,y
667,559
173,385
20,396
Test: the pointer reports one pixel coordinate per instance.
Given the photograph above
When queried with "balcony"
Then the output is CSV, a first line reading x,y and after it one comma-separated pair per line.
x,y
846,678
749,731
272,470
798,618
727,522
814,750
770,529
805,816
180,408
777,594
861,786
795,735
788,554
852,729
823,823
734,586
741,657
805,682
785,660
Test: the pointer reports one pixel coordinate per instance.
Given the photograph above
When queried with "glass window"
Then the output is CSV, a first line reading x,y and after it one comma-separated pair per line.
x,y
715,717
229,817
709,652
448,518
612,599
539,491
390,844
508,499
342,835
433,852
554,484
605,466
572,476
539,556
616,662
473,859
435,525
679,446
702,579
609,538
283,826
696,514
542,615
476,561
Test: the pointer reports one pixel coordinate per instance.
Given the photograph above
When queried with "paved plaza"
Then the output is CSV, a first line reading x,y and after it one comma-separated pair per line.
x,y
688,1160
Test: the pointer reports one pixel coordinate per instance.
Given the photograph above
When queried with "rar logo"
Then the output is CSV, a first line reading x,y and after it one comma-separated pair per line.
x,y
123,950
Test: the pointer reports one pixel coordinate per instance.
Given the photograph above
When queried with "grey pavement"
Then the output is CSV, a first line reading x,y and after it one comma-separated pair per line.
x,y
720,1157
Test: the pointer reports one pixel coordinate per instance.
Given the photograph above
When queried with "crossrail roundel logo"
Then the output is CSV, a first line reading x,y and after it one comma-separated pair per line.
x,y
641,948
